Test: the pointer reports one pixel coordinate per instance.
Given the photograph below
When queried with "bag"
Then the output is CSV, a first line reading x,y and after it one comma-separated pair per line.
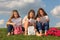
x,y
18,30
52,31
57,33
31,30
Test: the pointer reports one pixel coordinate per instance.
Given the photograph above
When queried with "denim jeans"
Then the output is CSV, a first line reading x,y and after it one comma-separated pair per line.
x,y
46,26
39,26
10,28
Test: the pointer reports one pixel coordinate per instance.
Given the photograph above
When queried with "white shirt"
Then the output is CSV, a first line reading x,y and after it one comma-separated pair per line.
x,y
32,20
17,21
26,19
43,19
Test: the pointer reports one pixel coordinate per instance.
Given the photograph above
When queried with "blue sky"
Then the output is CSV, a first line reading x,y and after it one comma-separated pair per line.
x,y
52,7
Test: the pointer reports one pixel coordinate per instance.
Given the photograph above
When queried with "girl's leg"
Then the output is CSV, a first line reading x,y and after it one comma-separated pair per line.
x,y
23,29
26,27
10,27
46,27
39,27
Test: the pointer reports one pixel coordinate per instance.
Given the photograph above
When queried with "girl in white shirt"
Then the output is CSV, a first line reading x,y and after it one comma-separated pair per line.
x,y
29,20
15,22
42,21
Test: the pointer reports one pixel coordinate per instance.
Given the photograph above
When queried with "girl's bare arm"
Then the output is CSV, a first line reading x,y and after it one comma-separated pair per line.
x,y
10,23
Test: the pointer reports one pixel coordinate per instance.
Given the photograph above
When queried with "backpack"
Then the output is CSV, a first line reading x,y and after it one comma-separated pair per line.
x,y
18,30
31,30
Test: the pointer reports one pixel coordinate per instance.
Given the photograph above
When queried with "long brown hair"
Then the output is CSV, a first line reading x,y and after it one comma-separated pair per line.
x,y
32,12
38,12
12,16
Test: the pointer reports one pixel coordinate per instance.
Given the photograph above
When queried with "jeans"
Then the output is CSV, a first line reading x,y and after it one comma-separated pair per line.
x,y
10,28
46,26
39,26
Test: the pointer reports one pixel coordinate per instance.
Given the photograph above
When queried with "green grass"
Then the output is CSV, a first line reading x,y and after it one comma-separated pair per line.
x,y
3,33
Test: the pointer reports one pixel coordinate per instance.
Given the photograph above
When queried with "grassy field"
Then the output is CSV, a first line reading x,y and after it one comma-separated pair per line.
x,y
3,33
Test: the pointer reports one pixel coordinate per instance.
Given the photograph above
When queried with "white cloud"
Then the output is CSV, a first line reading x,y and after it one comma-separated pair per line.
x,y
20,3
1,22
14,4
29,1
56,11
6,6
2,0
4,12
17,3
57,24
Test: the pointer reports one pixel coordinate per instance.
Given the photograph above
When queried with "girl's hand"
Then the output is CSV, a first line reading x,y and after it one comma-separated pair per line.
x,y
35,30
13,24
10,23
38,19
47,20
42,23
30,24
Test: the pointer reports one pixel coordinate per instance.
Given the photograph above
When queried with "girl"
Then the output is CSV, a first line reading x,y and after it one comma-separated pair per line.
x,y
15,22
42,21
29,20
